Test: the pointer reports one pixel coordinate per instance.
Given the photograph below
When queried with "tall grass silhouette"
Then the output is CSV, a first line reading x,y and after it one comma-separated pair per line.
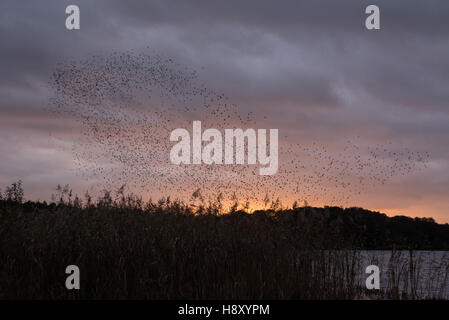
x,y
130,249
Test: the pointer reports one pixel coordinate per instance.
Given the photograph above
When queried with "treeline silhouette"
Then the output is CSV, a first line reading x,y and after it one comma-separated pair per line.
x,y
127,248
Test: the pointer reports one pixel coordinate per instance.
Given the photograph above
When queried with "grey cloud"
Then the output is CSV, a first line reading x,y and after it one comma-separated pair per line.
x,y
309,66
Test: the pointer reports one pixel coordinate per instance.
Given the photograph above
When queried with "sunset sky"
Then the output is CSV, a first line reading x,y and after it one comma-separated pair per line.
x,y
308,68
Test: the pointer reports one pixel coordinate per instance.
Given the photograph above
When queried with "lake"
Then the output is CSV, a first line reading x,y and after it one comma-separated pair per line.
x,y
423,274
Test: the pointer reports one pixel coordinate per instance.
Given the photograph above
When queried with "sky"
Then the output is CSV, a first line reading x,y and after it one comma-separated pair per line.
x,y
308,68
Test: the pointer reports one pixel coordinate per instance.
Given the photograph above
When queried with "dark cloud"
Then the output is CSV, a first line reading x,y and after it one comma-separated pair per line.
x,y
310,67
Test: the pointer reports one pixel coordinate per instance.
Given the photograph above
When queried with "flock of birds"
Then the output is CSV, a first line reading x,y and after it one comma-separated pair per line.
x,y
127,104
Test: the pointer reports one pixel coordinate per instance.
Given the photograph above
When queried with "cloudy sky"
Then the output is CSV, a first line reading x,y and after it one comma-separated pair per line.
x,y
309,68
